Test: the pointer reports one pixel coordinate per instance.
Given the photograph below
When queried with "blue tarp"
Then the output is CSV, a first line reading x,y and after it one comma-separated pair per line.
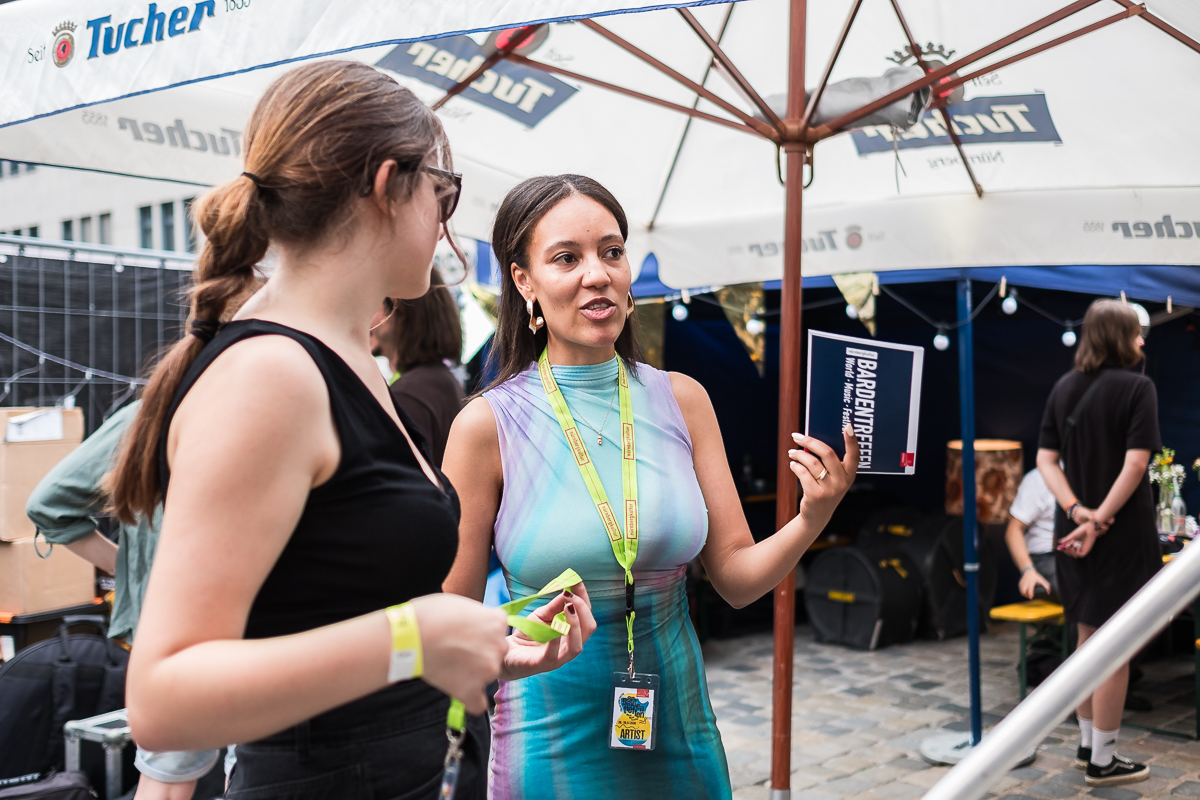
x,y
1145,282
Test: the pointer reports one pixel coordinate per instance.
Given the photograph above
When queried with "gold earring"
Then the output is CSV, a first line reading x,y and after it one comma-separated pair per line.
x,y
535,323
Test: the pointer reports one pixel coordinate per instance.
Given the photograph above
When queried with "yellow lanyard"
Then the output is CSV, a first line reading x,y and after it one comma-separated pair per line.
x,y
624,544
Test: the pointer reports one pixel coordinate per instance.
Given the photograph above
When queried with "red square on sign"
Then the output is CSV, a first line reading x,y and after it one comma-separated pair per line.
x,y
908,459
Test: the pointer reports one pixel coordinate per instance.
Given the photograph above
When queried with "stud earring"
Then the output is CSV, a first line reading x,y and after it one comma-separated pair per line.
x,y
535,323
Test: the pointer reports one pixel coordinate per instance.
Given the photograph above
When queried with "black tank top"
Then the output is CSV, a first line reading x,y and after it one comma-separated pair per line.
x,y
377,533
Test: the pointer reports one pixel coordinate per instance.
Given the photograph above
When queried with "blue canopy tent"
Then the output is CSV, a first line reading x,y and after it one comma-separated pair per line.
x,y
1016,360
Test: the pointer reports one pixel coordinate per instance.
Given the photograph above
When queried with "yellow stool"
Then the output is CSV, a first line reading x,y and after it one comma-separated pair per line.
x,y
1040,614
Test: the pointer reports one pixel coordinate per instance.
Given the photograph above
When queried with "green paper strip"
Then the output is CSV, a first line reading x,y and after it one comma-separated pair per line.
x,y
536,630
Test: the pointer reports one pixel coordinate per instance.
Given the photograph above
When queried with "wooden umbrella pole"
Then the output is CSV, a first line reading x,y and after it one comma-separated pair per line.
x,y
789,411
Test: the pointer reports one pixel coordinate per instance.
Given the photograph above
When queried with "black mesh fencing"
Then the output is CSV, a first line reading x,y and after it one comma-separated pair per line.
x,y
80,333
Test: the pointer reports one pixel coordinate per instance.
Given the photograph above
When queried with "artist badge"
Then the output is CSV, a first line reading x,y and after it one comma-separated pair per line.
x,y
635,707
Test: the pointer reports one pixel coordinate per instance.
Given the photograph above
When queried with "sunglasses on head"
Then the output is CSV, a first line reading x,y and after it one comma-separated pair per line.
x,y
449,201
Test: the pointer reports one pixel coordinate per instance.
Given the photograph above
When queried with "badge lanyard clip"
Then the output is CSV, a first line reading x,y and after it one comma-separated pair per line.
x,y
456,731
629,615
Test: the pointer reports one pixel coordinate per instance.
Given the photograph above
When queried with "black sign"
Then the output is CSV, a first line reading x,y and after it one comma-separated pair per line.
x,y
874,386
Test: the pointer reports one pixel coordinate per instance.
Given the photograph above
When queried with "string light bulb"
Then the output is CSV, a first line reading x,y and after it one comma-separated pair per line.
x,y
1009,304
941,341
851,311
680,312
1068,337
755,326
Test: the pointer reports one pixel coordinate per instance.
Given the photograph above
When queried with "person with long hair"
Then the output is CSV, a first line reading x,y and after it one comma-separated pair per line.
x,y
1099,429
295,596
579,453
419,338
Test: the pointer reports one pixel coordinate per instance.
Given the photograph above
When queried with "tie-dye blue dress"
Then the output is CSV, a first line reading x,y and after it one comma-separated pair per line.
x,y
550,731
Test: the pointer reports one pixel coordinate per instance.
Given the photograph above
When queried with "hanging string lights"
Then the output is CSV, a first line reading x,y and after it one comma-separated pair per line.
x,y
1009,305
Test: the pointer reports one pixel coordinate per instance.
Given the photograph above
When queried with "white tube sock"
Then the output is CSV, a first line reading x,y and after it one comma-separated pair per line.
x,y
1104,744
1085,731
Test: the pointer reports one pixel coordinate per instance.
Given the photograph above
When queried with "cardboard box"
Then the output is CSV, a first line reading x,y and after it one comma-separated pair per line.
x,y
24,463
30,583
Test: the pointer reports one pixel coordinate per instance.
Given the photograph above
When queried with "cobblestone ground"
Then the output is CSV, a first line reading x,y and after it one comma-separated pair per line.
x,y
859,718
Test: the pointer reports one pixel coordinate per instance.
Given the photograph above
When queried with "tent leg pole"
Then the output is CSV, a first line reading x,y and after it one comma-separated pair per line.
x,y
787,488
966,401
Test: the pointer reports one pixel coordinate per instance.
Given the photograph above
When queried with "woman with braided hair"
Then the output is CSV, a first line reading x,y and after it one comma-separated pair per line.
x,y
295,593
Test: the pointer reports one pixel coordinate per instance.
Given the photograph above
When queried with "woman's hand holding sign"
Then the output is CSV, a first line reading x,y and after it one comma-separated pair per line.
x,y
824,477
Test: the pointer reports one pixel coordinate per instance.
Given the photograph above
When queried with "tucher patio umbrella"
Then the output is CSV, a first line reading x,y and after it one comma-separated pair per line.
x,y
1033,133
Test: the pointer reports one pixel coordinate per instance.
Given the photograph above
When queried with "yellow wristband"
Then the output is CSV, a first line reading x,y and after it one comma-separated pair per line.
x,y
407,661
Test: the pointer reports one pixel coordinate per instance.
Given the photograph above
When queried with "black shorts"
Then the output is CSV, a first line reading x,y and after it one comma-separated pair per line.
x,y
388,746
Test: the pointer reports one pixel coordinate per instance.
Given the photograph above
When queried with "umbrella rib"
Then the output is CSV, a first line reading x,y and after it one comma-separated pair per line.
x,y
691,112
763,128
687,127
833,57
1165,27
939,99
488,63
835,126
734,73
1131,11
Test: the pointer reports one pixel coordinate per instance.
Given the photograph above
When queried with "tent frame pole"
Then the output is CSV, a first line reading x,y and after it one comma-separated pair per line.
x,y
690,112
931,78
939,98
966,406
1132,11
1166,28
790,379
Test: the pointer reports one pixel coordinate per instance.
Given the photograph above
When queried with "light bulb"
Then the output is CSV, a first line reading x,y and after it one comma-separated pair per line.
x,y
941,341
1009,306
680,312
1068,337
851,312
755,326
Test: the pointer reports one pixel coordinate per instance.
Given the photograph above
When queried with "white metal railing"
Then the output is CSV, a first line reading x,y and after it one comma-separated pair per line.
x,y
1137,622
35,247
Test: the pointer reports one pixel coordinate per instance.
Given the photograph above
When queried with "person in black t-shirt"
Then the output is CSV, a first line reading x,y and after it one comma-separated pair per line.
x,y
1107,544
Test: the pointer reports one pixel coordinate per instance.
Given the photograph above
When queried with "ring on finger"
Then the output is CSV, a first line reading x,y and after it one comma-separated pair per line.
x,y
824,472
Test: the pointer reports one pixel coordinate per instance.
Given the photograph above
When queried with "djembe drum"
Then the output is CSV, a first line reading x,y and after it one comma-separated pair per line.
x,y
999,467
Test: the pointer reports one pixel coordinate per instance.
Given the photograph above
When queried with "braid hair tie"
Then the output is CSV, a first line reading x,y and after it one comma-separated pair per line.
x,y
257,181
204,329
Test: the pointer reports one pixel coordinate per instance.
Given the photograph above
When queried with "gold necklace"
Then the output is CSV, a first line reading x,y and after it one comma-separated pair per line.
x,y
595,430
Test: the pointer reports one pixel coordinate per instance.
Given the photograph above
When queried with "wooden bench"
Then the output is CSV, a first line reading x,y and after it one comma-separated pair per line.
x,y
1043,615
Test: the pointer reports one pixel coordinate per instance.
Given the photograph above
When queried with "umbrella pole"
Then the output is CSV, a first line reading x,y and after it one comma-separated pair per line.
x,y
789,410
966,401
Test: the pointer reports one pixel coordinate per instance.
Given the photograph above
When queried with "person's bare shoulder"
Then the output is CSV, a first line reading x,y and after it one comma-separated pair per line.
x,y
256,397
692,398
475,426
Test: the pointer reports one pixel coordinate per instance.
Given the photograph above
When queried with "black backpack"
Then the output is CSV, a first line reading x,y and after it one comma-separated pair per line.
x,y
71,676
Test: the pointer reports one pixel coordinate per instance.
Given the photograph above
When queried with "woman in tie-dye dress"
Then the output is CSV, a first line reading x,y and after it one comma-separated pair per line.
x,y
561,241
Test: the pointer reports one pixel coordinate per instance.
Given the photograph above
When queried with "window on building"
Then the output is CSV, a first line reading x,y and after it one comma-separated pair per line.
x,y
1,169
68,230
146,226
33,231
168,226
16,231
106,229
30,167
189,229
13,167
85,229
